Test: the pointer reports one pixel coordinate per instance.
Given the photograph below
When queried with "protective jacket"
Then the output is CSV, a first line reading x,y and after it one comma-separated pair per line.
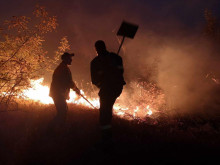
x,y
107,70
61,82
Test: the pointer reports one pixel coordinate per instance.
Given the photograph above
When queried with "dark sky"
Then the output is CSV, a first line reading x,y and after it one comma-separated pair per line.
x,y
85,21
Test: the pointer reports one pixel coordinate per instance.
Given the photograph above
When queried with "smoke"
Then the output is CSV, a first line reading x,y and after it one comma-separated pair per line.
x,y
185,66
182,73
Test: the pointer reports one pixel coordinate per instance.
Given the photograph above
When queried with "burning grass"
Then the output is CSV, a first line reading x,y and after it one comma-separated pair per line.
x,y
138,101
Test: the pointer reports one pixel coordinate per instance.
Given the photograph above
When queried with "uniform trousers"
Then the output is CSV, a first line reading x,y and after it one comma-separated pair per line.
x,y
62,108
108,96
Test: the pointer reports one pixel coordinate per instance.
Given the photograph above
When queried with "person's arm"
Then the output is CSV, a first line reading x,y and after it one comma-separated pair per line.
x,y
71,83
74,87
95,74
120,65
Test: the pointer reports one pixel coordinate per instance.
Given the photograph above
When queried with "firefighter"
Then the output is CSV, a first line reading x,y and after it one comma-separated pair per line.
x,y
107,74
60,88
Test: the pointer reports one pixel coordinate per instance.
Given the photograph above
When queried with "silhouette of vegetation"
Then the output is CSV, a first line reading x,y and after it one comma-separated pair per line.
x,y
212,28
64,46
22,56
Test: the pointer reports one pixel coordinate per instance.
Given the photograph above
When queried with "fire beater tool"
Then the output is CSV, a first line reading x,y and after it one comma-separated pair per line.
x,y
87,100
126,30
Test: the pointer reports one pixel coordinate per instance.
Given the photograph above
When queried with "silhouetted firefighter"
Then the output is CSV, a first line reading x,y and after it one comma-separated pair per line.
x,y
60,88
107,74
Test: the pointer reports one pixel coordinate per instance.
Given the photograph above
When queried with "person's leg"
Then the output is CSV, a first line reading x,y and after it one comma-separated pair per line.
x,y
106,105
108,97
62,108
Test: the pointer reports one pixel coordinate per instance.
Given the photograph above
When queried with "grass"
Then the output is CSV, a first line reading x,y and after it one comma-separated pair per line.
x,y
185,139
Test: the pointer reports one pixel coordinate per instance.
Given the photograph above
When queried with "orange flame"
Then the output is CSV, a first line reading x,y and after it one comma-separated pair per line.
x,y
40,93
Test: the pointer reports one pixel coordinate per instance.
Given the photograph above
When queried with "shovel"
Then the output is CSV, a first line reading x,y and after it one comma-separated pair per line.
x,y
126,30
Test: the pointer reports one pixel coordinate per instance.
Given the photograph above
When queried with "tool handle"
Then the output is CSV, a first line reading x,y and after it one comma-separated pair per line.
x,y
121,44
87,100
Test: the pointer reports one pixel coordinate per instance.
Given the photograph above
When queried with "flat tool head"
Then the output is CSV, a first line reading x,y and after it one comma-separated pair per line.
x,y
127,30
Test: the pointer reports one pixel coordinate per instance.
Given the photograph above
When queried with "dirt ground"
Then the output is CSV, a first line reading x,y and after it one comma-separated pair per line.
x,y
26,139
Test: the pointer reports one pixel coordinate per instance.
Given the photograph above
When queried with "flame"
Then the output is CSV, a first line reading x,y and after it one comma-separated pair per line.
x,y
149,112
40,93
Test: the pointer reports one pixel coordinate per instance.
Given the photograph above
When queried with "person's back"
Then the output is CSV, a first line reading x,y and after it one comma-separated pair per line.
x,y
61,79
107,70
114,70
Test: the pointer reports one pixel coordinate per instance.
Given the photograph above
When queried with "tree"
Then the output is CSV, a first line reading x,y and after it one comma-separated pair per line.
x,y
212,29
64,46
22,56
